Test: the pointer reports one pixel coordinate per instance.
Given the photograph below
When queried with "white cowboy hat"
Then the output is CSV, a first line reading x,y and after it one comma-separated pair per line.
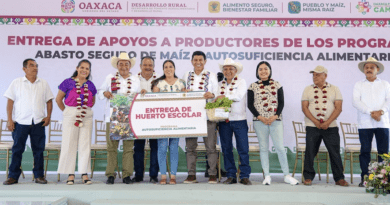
x,y
229,61
123,57
374,61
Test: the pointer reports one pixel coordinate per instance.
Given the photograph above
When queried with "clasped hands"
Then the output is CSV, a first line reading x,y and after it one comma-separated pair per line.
x,y
376,115
267,121
322,126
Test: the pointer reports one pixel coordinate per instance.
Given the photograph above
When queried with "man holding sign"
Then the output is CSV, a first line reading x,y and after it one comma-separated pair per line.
x,y
200,79
123,82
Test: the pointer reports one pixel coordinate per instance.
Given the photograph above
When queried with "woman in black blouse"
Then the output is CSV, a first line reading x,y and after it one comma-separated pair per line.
x,y
266,102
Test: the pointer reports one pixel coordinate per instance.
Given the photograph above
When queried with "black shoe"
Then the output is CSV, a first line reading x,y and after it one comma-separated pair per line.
x,y
223,173
361,184
154,180
137,179
230,180
127,180
206,174
110,180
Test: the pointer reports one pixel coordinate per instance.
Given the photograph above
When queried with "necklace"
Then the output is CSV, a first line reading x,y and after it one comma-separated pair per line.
x,y
201,83
81,107
115,84
320,110
224,85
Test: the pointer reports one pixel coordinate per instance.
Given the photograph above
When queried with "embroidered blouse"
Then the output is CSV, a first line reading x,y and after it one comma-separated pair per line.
x,y
68,86
176,87
263,102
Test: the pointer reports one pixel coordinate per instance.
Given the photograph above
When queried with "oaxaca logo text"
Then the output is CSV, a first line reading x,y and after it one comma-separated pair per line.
x,y
363,7
214,7
68,6
100,6
294,7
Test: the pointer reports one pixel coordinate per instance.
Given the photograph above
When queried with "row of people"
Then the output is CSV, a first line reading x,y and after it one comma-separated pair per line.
x,y
321,105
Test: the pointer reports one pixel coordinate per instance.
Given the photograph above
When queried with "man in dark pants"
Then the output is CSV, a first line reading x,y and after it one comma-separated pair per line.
x,y
27,97
322,104
371,98
146,76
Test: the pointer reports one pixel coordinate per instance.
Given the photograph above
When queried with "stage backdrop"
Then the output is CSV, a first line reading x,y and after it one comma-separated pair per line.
x,y
293,36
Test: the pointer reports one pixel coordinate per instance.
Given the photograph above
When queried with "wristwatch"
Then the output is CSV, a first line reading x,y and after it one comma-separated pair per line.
x,y
382,112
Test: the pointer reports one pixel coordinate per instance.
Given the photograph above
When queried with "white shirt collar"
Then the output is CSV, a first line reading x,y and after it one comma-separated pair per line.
x,y
376,80
25,79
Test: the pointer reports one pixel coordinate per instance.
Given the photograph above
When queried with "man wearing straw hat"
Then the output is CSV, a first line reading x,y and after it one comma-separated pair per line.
x,y
322,104
371,98
234,88
128,83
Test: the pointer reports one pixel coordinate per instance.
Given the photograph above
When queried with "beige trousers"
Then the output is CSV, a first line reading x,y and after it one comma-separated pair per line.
x,y
75,139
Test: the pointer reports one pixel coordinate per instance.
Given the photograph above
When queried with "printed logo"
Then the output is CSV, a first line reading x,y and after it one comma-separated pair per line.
x,y
68,6
214,7
294,7
363,7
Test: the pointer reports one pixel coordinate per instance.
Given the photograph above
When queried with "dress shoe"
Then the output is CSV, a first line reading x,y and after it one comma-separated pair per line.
x,y
361,184
230,180
245,181
10,181
137,179
154,180
190,179
342,182
41,180
307,182
213,179
127,180
110,180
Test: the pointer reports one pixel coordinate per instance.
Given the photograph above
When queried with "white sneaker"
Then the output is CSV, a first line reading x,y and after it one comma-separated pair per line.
x,y
290,180
267,180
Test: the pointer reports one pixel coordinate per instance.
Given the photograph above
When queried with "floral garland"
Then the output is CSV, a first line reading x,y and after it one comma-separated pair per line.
x,y
223,86
82,110
201,83
320,112
272,105
115,84
154,75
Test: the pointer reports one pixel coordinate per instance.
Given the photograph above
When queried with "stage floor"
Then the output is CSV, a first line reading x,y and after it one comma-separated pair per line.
x,y
201,193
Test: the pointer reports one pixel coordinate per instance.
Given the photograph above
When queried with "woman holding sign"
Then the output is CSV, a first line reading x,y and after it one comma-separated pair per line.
x,y
79,94
266,101
169,82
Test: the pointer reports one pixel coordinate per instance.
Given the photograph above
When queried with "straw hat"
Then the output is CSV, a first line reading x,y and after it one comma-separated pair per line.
x,y
123,57
374,61
229,61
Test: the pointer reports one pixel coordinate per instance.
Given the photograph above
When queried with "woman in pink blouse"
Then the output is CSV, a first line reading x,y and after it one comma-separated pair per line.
x,y
79,94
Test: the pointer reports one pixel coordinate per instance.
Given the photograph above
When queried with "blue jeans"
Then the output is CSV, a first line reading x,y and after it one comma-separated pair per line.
x,y
240,130
276,131
173,157
382,143
139,155
37,139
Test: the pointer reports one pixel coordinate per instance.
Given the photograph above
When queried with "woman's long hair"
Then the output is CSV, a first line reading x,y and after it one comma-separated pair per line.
x,y
90,68
268,65
155,82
